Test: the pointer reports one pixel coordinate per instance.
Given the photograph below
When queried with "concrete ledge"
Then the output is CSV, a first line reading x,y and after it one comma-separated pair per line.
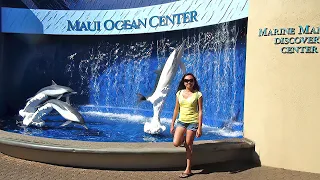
x,y
111,155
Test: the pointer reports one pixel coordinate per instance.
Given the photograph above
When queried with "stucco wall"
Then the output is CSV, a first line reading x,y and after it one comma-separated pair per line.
x,y
282,92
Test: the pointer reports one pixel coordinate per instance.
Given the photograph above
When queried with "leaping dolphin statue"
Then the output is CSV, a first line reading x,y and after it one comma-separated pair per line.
x,y
54,90
163,86
63,108
32,104
57,91
230,122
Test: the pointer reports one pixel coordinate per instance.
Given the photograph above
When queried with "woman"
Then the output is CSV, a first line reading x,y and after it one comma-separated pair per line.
x,y
189,106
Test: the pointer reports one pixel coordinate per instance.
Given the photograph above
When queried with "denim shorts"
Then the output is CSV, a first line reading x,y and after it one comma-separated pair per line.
x,y
188,126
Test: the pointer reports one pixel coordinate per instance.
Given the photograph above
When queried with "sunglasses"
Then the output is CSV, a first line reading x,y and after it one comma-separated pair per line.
x,y
188,80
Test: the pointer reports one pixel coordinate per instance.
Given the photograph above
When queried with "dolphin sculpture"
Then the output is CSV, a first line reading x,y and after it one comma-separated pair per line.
x,y
63,108
229,123
32,104
43,94
57,91
161,91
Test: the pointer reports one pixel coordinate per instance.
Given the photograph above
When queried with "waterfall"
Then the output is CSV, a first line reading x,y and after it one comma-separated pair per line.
x,y
113,71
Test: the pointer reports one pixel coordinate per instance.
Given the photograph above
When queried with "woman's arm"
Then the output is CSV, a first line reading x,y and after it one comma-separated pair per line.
x,y
199,131
175,114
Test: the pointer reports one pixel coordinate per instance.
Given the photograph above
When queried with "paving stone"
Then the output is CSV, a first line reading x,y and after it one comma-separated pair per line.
x,y
18,169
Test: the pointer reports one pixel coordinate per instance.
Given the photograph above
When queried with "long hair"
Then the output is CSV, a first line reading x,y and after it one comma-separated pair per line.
x,y
181,86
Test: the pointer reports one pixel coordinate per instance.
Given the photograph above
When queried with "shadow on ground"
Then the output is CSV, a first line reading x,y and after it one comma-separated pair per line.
x,y
231,166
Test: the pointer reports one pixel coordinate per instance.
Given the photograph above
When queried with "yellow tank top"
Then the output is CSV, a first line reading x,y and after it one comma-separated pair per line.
x,y
188,107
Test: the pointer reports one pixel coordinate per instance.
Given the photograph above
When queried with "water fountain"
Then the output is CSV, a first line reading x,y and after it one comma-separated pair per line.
x,y
108,72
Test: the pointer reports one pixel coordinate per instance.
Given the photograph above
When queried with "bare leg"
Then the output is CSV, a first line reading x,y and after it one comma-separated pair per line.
x,y
179,136
189,143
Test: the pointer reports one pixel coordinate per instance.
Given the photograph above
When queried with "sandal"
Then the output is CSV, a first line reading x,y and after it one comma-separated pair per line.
x,y
185,175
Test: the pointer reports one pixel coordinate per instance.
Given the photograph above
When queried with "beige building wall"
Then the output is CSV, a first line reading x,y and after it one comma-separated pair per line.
x,y
282,92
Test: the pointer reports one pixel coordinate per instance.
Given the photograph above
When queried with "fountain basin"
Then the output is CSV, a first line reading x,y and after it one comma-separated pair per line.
x,y
114,155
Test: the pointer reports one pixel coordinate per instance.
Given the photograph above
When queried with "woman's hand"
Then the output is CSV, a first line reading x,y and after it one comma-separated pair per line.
x,y
172,129
199,132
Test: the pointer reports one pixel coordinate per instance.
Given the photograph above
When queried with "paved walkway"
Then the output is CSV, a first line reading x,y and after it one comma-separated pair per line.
x,y
17,169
